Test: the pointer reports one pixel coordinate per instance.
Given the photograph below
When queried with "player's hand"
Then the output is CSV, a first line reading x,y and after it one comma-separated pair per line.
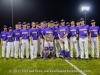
x,y
76,41
68,40
20,43
1,43
61,40
40,42
32,43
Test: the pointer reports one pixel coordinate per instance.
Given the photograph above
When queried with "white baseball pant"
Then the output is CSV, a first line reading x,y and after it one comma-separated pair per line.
x,y
94,45
25,46
10,49
41,47
65,45
4,47
83,42
17,50
72,42
57,47
34,49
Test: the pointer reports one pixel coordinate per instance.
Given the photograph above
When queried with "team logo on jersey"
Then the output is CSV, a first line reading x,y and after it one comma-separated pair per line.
x,y
8,36
3,35
17,33
24,32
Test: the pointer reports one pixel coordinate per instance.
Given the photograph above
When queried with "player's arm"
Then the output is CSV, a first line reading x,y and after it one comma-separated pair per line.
x,y
20,38
89,32
39,38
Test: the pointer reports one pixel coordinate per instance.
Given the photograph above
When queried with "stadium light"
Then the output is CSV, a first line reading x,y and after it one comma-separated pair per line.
x,y
85,9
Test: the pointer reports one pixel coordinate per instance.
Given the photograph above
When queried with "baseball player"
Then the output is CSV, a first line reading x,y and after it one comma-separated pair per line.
x,y
56,39
37,25
83,31
20,27
10,44
78,25
33,33
62,34
73,39
41,39
28,26
48,35
3,40
24,41
94,32
16,35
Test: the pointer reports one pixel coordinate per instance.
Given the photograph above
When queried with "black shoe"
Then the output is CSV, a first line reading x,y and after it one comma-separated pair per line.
x,y
81,59
86,59
11,57
6,58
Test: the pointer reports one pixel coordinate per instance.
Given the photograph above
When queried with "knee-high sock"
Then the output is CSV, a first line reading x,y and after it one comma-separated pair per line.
x,y
45,55
63,53
67,54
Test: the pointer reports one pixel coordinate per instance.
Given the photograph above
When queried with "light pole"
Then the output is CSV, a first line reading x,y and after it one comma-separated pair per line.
x,y
12,12
85,9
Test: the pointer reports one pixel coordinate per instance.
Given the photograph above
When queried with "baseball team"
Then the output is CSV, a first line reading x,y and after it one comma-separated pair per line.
x,y
51,39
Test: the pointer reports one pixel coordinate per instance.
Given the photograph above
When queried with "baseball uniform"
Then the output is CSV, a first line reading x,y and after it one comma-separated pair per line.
x,y
83,40
73,38
33,33
10,43
63,30
56,41
94,30
16,35
24,34
48,45
3,38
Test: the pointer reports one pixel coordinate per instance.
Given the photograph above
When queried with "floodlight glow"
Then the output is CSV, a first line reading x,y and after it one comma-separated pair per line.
x,y
85,8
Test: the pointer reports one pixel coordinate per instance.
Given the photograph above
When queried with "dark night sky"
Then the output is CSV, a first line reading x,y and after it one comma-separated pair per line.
x,y
40,10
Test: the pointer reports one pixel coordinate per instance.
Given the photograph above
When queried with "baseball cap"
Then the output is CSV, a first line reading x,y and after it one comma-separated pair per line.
x,y
92,20
5,26
28,24
45,21
37,23
67,23
10,27
51,21
19,22
81,19
62,20
24,23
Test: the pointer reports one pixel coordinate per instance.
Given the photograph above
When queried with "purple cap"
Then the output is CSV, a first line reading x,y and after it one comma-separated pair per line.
x,y
92,20
51,21
5,26
67,23
10,27
37,23
62,20
82,19
45,21
24,23
19,22
28,24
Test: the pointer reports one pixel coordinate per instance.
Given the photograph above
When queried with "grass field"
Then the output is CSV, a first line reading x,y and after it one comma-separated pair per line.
x,y
56,66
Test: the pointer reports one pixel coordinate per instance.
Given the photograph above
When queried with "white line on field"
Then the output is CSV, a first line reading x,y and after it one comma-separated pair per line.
x,y
80,71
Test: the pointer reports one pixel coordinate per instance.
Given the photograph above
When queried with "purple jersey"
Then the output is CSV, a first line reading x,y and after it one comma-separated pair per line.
x,y
16,35
3,35
41,30
48,32
34,33
56,32
83,31
62,31
9,36
94,30
73,31
24,33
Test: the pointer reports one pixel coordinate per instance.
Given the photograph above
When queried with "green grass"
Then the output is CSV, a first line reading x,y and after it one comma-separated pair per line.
x,y
46,67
